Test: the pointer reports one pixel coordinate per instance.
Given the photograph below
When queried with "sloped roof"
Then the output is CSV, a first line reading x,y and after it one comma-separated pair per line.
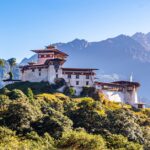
x,y
49,49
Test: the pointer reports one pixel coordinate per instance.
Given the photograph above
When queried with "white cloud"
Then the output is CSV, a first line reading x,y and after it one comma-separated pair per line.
x,y
108,77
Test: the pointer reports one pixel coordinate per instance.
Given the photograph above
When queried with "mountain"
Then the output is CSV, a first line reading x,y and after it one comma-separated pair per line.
x,y
26,60
143,39
117,58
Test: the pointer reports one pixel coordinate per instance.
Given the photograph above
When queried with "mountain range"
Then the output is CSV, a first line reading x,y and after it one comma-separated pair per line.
x,y
116,58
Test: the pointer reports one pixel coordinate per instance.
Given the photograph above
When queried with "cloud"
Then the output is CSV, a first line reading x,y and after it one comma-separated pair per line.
x,y
108,77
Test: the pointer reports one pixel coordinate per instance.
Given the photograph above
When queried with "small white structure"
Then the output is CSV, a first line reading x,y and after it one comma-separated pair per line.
x,y
50,66
121,91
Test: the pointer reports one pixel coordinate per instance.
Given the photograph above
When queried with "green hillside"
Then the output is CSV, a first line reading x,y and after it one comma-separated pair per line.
x,y
33,116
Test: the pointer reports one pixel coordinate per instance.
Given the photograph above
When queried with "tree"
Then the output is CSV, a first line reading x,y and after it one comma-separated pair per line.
x,y
115,141
30,94
59,82
54,123
20,115
90,92
69,91
146,132
17,94
124,122
12,63
2,63
80,140
87,116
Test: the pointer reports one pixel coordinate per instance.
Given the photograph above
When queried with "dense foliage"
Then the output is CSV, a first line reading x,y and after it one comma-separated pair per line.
x,y
35,116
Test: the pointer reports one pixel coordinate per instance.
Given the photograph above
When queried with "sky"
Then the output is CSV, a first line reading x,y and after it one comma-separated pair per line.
x,y
33,24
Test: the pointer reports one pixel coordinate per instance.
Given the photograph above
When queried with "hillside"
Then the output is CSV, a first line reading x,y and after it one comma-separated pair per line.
x,y
31,119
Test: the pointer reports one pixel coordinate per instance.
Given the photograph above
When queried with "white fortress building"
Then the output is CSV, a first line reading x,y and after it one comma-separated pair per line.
x,y
50,66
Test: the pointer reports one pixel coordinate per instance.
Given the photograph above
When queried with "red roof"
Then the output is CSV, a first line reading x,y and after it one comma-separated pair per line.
x,y
128,83
34,66
107,84
49,49
78,69
119,83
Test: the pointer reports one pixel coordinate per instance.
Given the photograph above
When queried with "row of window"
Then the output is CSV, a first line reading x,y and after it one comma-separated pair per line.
x,y
77,76
45,56
77,83
33,70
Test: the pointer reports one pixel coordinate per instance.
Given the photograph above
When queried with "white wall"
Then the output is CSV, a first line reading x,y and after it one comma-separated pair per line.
x,y
129,97
82,80
114,96
28,75
52,73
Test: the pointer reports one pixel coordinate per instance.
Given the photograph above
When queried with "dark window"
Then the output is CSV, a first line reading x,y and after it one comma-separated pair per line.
x,y
42,56
56,75
33,70
87,82
77,76
77,82
40,69
39,73
87,77
69,76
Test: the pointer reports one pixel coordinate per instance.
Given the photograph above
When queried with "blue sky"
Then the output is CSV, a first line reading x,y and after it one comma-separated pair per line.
x,y
31,24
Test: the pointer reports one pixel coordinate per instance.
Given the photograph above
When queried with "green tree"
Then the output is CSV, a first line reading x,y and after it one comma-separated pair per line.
x,y
115,141
30,95
20,115
69,91
146,132
87,116
54,123
124,122
2,63
12,63
17,94
90,92
80,140
4,103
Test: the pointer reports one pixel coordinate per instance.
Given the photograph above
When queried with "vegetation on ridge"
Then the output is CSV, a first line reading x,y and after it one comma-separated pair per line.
x,y
35,116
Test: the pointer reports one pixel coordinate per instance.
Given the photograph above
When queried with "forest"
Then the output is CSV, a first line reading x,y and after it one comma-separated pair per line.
x,y
35,116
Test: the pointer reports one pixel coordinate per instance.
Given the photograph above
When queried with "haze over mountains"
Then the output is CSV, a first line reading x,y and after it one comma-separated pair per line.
x,y
117,58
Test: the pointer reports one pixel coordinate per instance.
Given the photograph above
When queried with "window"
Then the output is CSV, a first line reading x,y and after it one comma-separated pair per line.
x,y
87,77
33,70
57,76
87,82
40,69
77,76
77,82
39,73
69,76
